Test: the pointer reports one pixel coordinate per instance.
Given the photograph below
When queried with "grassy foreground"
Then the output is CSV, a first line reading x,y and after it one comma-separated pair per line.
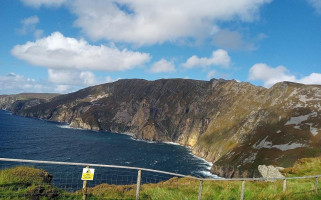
x,y
30,183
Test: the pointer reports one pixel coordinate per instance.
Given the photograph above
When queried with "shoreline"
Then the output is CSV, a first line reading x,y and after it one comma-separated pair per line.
x,y
208,163
67,126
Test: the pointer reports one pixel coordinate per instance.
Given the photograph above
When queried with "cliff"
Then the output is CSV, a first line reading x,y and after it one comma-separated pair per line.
x,y
18,102
237,126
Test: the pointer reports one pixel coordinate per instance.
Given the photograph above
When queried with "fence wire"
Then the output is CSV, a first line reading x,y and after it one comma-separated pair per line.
x,y
57,180
65,180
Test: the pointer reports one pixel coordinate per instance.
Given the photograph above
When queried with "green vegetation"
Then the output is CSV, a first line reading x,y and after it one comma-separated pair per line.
x,y
26,183
31,183
304,167
26,96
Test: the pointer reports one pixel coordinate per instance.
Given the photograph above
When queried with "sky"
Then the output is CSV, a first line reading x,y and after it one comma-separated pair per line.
x,y
60,46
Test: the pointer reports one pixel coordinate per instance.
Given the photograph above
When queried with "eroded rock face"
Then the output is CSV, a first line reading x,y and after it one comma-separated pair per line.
x,y
269,171
237,126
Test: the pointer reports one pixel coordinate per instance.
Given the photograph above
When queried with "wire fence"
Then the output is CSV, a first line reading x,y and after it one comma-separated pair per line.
x,y
34,179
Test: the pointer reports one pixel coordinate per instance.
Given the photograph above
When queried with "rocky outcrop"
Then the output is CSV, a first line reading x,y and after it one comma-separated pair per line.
x,y
237,126
269,171
18,102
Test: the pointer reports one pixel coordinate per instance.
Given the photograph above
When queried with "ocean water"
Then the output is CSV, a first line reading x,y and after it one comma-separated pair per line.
x,y
28,138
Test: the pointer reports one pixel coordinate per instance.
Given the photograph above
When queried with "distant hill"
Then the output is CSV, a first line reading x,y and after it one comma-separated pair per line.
x,y
237,126
20,101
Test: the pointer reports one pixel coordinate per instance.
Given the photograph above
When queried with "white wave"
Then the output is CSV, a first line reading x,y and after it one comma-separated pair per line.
x,y
209,164
127,133
205,162
147,141
69,127
172,143
208,174
64,126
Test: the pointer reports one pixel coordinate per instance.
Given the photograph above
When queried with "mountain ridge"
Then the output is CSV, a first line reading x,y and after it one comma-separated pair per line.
x,y
235,125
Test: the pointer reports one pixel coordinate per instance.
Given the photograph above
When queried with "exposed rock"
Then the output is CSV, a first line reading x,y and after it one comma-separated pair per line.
x,y
269,171
237,126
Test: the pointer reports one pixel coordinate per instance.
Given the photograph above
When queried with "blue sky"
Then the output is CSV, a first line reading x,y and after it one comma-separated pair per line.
x,y
64,45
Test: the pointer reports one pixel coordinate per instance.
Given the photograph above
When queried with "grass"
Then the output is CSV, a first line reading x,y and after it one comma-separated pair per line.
x,y
27,183
31,183
304,167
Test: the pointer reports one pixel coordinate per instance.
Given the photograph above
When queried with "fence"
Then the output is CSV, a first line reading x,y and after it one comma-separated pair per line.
x,y
62,180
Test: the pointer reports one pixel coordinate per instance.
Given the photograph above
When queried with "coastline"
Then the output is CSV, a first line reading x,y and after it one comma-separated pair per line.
x,y
67,126
208,163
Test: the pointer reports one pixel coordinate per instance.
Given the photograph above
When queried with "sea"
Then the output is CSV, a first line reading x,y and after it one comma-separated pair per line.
x,y
34,139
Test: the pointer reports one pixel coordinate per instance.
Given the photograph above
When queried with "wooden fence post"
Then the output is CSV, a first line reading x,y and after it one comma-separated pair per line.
x,y
316,185
200,190
139,178
84,189
242,190
284,185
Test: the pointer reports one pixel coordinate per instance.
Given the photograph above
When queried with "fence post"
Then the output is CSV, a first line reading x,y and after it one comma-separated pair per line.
x,y
316,185
284,185
200,190
242,190
139,178
84,189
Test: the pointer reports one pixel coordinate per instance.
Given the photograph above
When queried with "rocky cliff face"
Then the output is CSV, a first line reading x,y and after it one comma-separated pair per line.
x,y
235,125
22,101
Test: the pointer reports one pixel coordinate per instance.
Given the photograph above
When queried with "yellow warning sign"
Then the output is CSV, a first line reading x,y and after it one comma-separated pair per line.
x,y
87,174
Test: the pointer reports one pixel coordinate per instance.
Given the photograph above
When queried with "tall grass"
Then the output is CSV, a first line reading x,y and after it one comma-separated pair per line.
x,y
31,183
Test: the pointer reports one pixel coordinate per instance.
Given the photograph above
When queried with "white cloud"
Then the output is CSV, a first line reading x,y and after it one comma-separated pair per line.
x,y
232,40
270,75
314,78
163,66
211,74
38,33
149,22
61,81
29,26
109,79
316,4
70,77
47,3
57,51
88,78
15,83
219,57
33,20
62,88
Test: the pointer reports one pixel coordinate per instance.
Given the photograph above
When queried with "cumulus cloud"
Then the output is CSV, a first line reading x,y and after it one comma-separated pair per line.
x,y
60,81
163,66
219,57
58,51
46,3
16,83
313,78
270,75
316,4
149,22
70,77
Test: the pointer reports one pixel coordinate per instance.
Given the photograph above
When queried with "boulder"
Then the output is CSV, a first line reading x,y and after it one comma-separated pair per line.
x,y
269,171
